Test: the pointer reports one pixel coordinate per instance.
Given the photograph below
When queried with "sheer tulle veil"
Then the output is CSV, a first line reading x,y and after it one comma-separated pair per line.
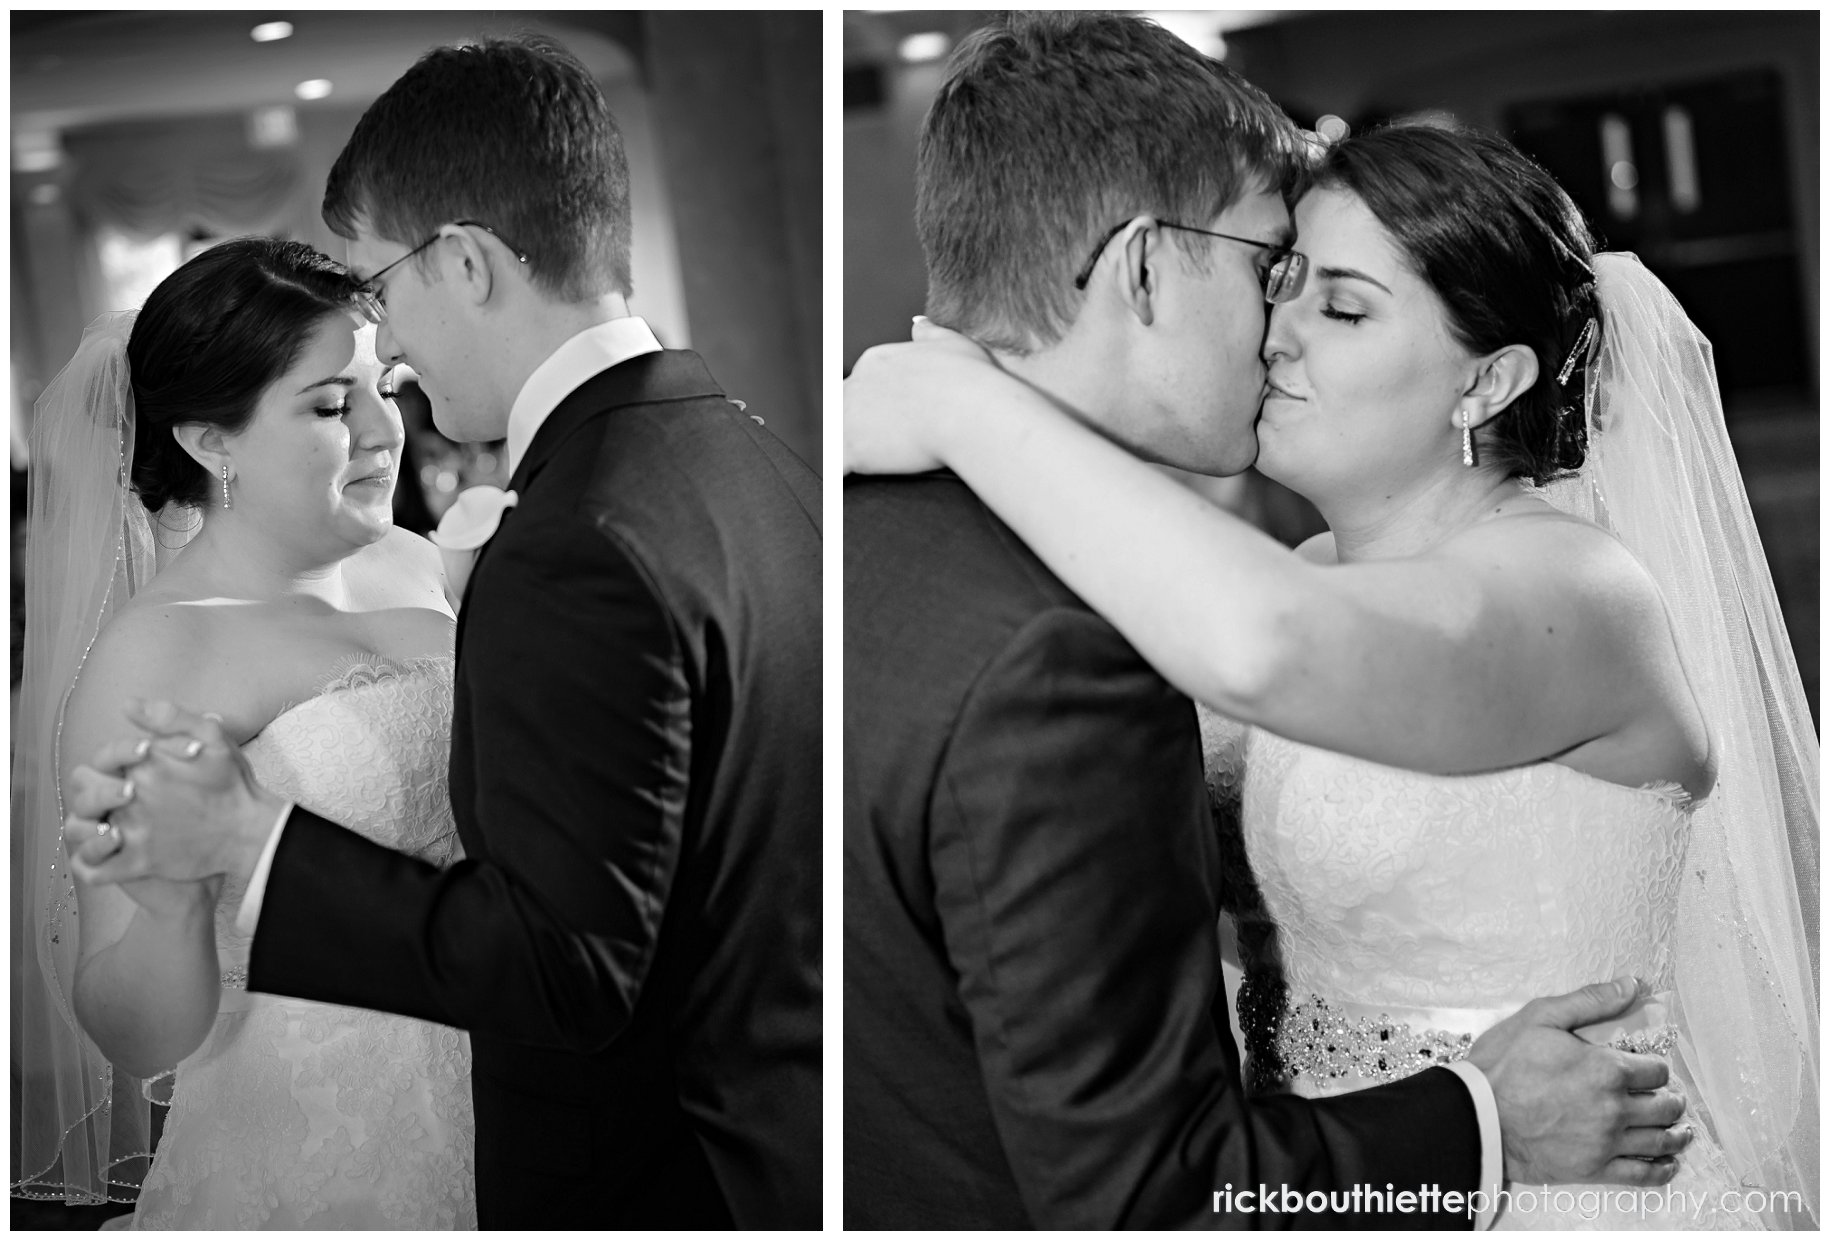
x,y
1662,477
82,1130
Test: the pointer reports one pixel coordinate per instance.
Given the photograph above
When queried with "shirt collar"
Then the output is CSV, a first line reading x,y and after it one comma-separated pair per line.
x,y
593,350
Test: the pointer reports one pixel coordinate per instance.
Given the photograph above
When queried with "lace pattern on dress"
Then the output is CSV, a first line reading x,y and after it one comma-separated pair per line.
x,y
295,1114
1391,892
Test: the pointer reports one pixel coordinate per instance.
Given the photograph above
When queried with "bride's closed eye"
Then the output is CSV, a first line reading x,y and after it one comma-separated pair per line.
x,y
1343,316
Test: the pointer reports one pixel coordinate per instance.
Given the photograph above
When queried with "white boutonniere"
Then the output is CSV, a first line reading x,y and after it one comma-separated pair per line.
x,y
469,523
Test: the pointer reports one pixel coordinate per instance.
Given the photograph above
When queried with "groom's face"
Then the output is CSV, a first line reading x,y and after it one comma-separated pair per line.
x,y
1201,376
424,327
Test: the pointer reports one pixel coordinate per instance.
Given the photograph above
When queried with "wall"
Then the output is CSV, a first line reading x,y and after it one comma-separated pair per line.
x,y
736,108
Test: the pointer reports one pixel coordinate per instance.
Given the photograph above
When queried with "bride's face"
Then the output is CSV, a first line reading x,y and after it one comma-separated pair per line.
x,y
1364,375
316,464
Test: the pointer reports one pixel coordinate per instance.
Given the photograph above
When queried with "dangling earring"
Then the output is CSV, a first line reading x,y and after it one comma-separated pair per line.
x,y
1467,442
225,486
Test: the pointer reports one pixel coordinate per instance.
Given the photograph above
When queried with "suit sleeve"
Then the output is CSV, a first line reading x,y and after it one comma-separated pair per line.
x,y
1074,865
580,774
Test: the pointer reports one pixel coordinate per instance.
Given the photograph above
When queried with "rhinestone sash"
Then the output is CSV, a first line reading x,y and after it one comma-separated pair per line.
x,y
1365,1045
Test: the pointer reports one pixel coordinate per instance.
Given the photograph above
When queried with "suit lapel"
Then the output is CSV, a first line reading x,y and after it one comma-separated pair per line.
x,y
650,378
647,379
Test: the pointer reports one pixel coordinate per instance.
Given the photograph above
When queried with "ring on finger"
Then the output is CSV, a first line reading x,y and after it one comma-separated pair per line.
x,y
103,828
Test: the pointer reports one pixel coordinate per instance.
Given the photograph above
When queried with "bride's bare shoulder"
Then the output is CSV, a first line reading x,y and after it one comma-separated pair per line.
x,y
159,646
399,570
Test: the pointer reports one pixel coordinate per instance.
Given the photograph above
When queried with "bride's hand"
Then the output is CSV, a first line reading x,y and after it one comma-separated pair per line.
x,y
898,398
88,842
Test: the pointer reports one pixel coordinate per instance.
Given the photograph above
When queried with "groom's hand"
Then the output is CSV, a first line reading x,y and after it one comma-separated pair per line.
x,y
1573,1112
183,802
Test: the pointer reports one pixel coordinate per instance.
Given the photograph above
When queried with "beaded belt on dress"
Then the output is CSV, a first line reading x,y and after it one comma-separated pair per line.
x,y
1331,1041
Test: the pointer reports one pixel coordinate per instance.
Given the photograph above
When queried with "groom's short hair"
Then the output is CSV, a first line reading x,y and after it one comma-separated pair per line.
x,y
513,133
1049,129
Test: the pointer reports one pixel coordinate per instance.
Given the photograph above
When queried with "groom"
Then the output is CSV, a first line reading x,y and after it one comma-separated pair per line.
x,y
633,937
1035,1022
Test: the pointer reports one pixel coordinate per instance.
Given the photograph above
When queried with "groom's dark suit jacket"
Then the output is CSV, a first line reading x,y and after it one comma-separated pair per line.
x,y
633,940
1035,1025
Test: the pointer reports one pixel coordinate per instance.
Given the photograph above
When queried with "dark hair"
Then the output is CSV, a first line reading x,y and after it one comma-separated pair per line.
x,y
1051,128
1509,255
510,132
209,341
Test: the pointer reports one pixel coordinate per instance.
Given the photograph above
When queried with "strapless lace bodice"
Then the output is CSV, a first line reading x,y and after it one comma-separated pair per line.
x,y
370,751
297,1114
1386,918
1479,891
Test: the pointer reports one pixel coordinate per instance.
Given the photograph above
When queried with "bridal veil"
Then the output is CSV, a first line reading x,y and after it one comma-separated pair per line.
x,y
1661,475
82,1130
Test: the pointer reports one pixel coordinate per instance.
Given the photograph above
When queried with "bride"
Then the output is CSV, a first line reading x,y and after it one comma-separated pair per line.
x,y
211,523
1524,717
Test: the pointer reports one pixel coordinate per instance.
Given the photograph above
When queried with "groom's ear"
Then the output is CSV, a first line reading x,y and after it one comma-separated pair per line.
x,y
467,264
1501,378
1131,279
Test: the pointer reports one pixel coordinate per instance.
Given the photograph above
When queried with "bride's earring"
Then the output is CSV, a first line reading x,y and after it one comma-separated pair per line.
x,y
1467,447
225,486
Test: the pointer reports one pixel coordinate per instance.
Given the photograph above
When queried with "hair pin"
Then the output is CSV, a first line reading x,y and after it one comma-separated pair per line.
x,y
1582,343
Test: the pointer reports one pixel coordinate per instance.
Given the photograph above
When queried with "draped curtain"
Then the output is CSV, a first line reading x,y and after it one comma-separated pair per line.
x,y
150,179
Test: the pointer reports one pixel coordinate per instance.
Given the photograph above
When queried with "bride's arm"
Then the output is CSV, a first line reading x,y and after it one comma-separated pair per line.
x,y
1521,639
147,979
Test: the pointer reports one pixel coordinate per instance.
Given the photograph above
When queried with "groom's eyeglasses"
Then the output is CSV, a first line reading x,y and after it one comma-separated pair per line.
x,y
371,298
1282,280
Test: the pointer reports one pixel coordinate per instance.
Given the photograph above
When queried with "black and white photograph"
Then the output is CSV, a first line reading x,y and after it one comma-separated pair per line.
x,y
1330,620
417,700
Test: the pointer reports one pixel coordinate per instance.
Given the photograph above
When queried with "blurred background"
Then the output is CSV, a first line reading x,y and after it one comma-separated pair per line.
x,y
1690,138
140,138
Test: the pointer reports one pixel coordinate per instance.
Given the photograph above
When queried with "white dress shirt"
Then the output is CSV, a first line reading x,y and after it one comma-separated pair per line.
x,y
1493,1163
595,349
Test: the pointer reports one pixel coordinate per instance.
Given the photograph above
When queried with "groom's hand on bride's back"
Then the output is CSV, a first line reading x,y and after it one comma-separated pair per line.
x,y
1574,1112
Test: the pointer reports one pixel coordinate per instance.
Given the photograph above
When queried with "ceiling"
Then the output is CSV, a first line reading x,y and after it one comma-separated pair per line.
x,y
71,69
874,35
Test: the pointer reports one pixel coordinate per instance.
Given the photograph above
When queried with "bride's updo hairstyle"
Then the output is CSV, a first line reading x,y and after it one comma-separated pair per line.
x,y
1509,255
208,342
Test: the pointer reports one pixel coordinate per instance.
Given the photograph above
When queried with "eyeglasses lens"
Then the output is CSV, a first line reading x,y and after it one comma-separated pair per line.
x,y
1286,278
370,306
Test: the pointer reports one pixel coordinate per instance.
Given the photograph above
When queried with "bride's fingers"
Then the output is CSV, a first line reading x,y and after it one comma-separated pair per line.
x,y
126,860
1649,1143
88,840
182,748
117,756
926,330
94,794
1659,1108
168,719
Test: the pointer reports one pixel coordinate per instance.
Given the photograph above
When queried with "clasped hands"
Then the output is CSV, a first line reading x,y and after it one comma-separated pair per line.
x,y
179,803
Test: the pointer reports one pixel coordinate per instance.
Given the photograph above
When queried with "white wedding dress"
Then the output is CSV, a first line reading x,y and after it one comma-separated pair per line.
x,y
1385,918
295,1114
